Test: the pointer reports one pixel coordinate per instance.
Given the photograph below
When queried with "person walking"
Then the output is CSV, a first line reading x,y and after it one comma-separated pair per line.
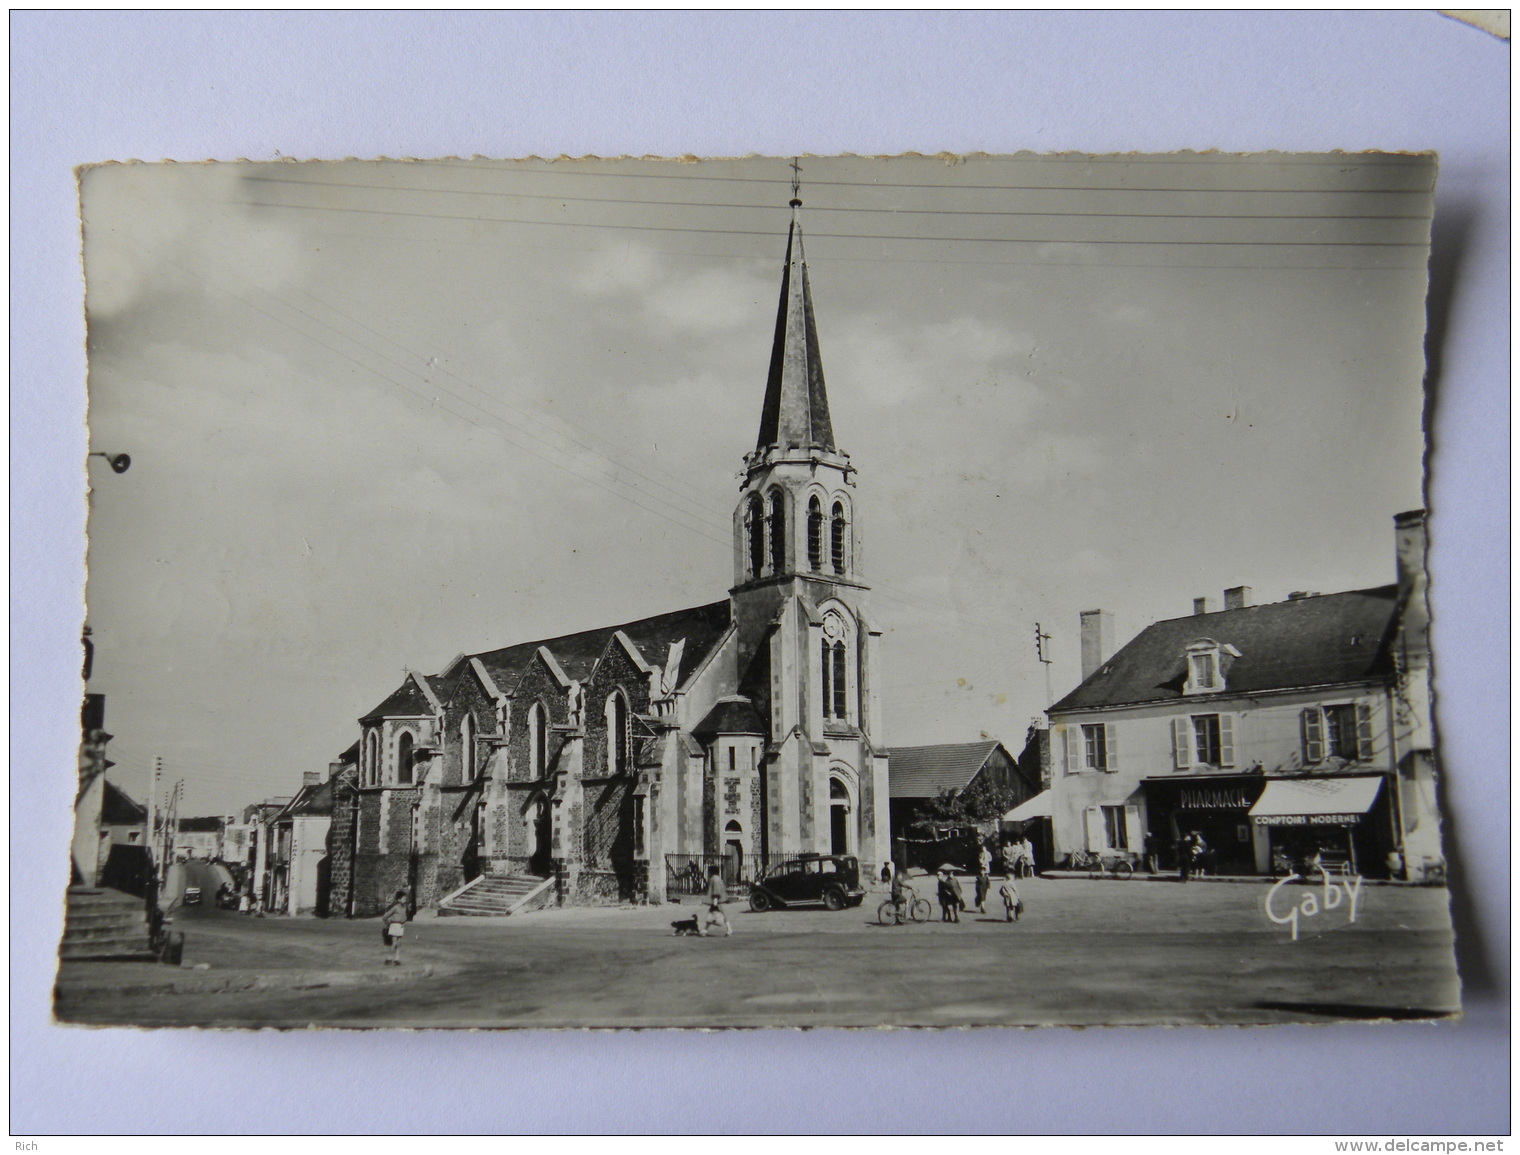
x,y
983,883
393,927
957,898
984,860
946,897
1184,857
714,916
1013,905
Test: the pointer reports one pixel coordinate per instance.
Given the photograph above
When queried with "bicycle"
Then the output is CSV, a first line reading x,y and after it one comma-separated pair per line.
x,y
1093,863
891,913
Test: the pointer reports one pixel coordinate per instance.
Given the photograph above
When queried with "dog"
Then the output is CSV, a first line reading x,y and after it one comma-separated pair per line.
x,y
685,926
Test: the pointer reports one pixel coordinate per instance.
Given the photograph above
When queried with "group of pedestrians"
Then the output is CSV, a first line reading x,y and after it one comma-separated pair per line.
x,y
1192,854
952,899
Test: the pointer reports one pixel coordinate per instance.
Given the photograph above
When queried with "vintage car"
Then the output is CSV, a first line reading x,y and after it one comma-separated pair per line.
x,y
830,879
191,897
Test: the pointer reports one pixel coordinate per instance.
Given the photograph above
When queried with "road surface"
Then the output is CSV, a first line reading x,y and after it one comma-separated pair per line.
x,y
1086,952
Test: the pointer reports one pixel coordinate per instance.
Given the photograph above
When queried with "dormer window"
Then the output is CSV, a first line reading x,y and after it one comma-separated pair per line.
x,y
1205,666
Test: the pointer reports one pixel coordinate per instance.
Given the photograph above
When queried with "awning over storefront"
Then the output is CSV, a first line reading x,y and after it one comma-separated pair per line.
x,y
1036,807
1315,801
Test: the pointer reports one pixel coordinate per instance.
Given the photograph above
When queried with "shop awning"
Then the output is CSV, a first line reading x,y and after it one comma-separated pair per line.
x,y
1036,807
1315,801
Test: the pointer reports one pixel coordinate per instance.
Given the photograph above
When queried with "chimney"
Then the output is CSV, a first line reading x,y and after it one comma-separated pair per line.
x,y
1200,606
1300,595
1237,597
311,778
1097,640
1409,549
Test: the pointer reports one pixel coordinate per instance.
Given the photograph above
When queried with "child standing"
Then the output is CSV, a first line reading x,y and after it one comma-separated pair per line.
x,y
393,927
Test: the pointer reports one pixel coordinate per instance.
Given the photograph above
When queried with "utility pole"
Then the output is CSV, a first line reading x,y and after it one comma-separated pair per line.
x,y
150,835
1040,638
171,823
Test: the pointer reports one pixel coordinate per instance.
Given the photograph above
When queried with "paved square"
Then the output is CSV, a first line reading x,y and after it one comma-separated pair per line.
x,y
1087,952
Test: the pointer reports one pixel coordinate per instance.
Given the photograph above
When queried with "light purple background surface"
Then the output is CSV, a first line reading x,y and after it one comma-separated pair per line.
x,y
92,87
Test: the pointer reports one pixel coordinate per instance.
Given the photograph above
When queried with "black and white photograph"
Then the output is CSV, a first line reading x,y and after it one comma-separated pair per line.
x,y
808,591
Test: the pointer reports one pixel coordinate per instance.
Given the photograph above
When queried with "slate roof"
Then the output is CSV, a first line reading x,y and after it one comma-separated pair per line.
x,y
1328,639
406,700
927,771
796,409
732,715
311,801
700,628
116,809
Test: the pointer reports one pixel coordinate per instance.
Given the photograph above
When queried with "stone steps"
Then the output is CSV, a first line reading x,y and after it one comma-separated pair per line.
x,y
495,896
104,923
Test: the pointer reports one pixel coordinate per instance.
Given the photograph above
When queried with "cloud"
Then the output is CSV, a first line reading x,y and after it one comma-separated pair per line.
x,y
158,229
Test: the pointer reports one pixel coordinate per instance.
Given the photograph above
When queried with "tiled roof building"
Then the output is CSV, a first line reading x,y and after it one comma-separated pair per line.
x,y
1187,728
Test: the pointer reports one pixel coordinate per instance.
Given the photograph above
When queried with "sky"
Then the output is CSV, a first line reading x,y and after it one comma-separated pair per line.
x,y
381,414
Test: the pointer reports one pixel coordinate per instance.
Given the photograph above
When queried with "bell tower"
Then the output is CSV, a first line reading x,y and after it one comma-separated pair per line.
x,y
806,643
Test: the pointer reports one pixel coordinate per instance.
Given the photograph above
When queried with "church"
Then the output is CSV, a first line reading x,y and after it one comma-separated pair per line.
x,y
616,764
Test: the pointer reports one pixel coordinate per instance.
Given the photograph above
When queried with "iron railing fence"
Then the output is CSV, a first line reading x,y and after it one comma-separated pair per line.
x,y
686,874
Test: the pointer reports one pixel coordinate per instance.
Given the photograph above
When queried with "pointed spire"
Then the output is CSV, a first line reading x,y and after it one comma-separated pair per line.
x,y
796,411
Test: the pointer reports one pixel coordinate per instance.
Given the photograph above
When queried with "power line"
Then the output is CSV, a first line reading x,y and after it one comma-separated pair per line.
x,y
499,166
837,236
852,209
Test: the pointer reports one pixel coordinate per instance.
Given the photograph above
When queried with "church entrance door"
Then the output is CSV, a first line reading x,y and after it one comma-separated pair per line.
x,y
840,841
539,862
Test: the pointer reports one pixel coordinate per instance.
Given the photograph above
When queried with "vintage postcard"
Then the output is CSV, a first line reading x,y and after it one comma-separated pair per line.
x,y
821,591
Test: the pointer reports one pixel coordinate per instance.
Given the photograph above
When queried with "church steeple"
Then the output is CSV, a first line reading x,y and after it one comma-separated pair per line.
x,y
796,411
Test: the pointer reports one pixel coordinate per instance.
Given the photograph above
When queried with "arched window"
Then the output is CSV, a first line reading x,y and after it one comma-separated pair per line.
x,y
754,525
834,649
538,741
618,761
371,759
815,534
404,759
467,748
778,532
841,539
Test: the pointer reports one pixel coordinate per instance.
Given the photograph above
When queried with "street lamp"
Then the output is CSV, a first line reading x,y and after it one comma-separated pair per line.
x,y
120,462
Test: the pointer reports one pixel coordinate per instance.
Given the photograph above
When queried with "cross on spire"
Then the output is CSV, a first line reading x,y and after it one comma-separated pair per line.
x,y
796,181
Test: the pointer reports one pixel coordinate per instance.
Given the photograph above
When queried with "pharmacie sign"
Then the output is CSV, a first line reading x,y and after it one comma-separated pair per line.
x,y
1217,798
1308,819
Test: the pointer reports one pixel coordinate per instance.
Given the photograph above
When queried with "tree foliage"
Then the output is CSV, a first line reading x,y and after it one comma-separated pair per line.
x,y
981,802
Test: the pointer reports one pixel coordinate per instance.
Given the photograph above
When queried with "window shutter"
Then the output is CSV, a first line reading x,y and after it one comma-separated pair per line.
x,y
1094,817
1110,749
1182,742
1364,731
1314,735
1133,835
1073,735
1226,740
